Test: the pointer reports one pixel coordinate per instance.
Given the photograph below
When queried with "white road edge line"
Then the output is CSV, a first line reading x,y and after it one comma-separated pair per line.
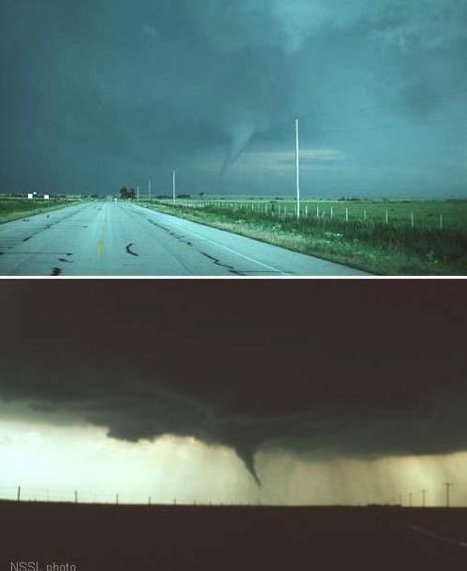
x,y
230,249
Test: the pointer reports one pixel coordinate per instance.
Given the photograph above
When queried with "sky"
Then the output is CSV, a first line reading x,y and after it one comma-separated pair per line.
x,y
302,392
98,95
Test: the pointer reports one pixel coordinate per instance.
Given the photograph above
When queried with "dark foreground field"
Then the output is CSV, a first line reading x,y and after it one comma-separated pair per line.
x,y
232,538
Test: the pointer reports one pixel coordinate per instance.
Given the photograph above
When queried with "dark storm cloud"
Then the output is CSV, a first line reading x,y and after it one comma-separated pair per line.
x,y
99,93
368,368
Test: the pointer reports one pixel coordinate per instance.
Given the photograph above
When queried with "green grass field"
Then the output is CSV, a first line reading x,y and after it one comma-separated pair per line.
x,y
14,208
419,214
382,237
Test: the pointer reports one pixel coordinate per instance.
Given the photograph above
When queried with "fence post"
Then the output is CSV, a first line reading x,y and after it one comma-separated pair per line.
x,y
332,213
387,217
76,497
441,222
346,214
317,211
116,499
365,215
18,497
412,220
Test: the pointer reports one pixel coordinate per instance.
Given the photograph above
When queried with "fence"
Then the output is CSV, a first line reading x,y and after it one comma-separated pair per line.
x,y
376,213
445,495
31,494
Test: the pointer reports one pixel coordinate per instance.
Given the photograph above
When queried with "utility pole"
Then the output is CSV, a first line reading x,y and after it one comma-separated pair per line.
x,y
174,188
423,498
448,490
297,165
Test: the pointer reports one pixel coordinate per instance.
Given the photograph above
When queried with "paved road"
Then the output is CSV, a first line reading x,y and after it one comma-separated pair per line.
x,y
120,239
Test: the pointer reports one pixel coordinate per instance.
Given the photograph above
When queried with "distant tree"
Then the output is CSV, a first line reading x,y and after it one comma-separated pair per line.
x,y
127,193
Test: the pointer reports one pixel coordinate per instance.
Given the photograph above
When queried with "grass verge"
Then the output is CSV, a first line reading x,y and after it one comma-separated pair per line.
x,y
16,208
373,247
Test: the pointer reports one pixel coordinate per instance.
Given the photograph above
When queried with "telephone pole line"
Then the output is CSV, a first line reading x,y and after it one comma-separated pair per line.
x,y
448,494
423,498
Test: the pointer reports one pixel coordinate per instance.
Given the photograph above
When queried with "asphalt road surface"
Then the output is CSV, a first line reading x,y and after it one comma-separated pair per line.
x,y
121,239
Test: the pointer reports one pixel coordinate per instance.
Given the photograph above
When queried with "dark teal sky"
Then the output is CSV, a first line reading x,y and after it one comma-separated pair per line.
x,y
96,94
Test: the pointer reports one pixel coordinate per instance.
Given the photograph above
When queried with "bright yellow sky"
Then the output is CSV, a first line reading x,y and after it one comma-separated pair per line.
x,y
53,461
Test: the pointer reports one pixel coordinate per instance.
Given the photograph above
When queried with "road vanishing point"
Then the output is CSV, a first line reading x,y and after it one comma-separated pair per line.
x,y
125,239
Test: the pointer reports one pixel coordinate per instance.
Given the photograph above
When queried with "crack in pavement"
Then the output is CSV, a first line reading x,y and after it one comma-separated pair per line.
x,y
182,238
42,226
130,251
217,262
36,253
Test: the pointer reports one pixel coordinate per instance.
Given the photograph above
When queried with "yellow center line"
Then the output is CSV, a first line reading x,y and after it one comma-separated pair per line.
x,y
100,248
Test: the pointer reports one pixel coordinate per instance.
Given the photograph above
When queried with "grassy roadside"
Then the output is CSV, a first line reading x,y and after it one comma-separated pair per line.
x,y
373,247
16,208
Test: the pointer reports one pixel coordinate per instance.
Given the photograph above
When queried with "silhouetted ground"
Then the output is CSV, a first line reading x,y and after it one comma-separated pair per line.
x,y
232,538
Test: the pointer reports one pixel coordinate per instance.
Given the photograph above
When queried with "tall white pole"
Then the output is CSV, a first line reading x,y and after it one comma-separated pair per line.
x,y
297,165
137,192
174,186
149,189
